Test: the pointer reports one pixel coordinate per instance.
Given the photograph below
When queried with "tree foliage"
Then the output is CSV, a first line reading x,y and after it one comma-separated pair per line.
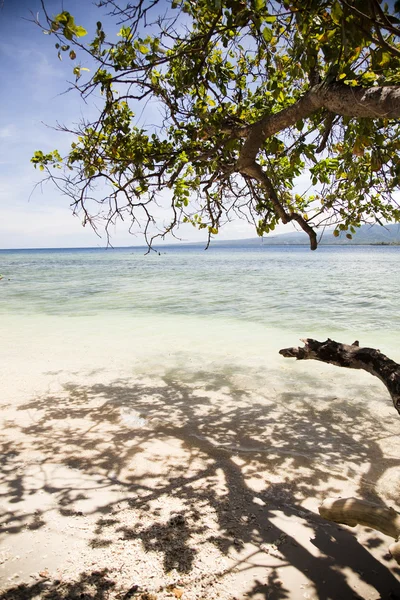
x,y
245,97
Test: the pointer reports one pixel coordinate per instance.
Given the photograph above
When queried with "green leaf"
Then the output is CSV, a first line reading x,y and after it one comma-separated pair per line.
x,y
369,77
336,13
125,32
267,34
62,17
385,60
79,31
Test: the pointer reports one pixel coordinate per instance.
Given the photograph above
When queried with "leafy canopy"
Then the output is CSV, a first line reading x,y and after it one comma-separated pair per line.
x,y
245,96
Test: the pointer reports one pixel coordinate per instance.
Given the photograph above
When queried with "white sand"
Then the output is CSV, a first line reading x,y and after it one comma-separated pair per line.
x,y
111,427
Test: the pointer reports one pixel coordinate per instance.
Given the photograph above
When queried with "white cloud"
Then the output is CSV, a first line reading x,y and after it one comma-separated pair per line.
x,y
7,131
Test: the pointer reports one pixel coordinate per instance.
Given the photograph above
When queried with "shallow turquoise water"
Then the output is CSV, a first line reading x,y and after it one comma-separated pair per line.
x,y
331,290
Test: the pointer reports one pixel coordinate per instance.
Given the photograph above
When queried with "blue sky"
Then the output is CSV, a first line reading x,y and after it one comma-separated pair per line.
x,y
32,79
32,100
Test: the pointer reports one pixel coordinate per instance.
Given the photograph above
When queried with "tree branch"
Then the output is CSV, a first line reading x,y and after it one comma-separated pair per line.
x,y
271,124
329,120
370,103
373,102
352,357
256,172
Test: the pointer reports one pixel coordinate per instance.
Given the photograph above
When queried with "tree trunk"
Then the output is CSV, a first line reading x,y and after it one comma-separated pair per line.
x,y
352,512
352,357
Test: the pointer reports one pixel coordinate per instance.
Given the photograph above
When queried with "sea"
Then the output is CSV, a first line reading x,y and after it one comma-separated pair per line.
x,y
335,292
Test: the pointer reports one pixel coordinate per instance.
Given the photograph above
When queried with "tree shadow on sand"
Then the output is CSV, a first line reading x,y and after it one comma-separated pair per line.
x,y
235,467
96,585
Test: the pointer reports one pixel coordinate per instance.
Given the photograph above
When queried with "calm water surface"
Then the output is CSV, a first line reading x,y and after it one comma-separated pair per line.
x,y
332,289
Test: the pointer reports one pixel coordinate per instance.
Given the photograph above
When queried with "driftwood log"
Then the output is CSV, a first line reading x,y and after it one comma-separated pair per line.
x,y
352,357
351,511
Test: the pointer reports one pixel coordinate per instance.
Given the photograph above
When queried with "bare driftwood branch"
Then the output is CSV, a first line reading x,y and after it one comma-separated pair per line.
x,y
352,357
352,512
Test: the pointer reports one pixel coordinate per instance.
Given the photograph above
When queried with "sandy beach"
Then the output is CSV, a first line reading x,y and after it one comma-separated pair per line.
x,y
128,473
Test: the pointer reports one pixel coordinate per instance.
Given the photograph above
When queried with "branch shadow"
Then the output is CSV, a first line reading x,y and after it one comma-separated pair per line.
x,y
192,467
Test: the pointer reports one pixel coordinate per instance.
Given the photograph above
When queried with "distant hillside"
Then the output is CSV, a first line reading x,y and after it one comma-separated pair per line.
x,y
365,235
